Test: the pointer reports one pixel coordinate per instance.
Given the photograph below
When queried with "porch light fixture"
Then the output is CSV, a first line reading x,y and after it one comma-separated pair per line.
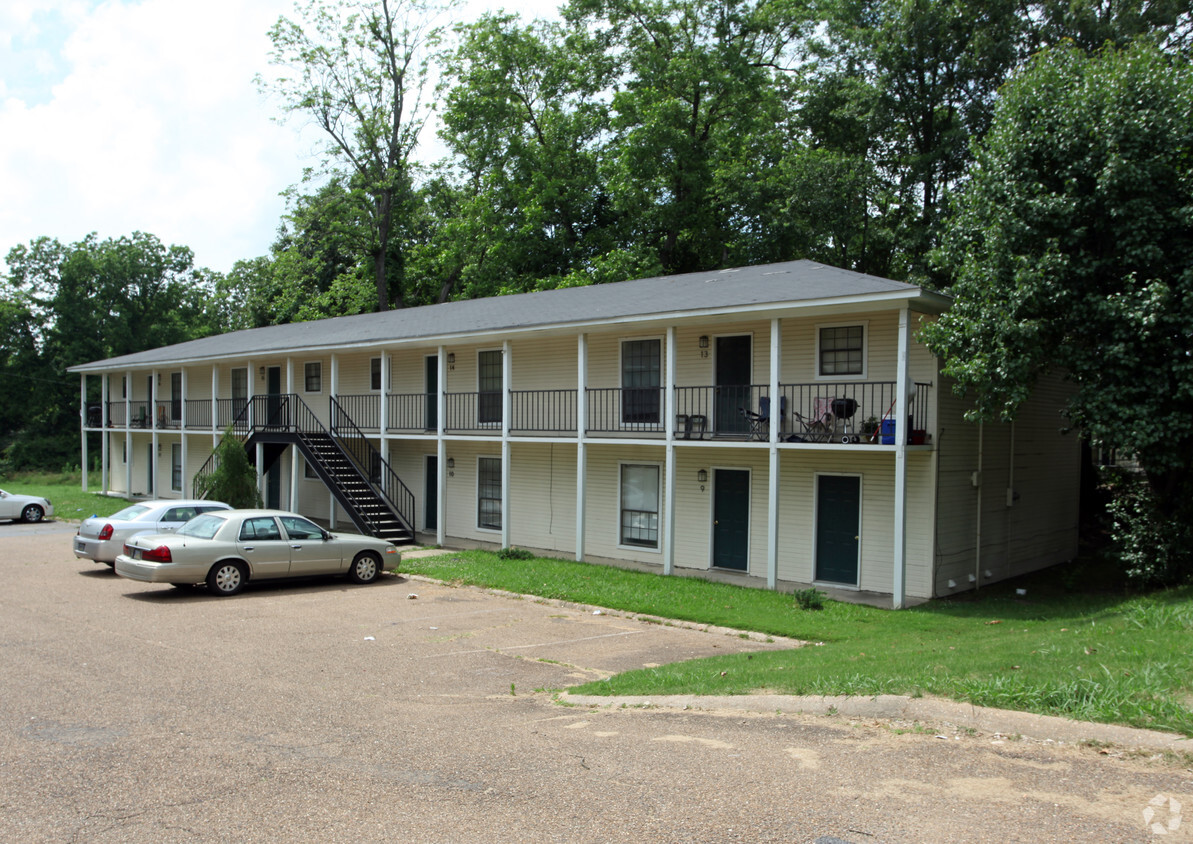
x,y
704,341
261,371
451,463
702,476
451,357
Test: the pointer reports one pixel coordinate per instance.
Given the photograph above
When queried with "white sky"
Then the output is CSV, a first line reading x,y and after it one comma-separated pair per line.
x,y
124,115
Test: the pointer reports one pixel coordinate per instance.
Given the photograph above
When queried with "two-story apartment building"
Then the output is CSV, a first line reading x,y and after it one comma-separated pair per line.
x,y
778,425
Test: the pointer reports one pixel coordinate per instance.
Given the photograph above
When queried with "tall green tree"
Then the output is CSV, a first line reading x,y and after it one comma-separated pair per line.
x,y
358,69
696,86
66,304
1073,249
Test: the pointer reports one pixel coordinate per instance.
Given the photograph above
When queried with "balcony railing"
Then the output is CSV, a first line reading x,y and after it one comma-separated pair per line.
x,y
808,412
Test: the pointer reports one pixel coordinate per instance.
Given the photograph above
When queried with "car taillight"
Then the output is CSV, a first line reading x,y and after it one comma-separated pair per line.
x,y
160,554
105,532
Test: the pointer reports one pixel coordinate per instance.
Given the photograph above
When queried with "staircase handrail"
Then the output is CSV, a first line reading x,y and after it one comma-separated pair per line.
x,y
209,465
388,485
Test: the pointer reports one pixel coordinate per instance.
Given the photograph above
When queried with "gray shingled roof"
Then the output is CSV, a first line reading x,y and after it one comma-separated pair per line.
x,y
795,283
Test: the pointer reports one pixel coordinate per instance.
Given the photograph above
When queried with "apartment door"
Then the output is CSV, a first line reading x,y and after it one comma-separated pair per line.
x,y
275,412
733,374
838,528
151,468
431,493
731,519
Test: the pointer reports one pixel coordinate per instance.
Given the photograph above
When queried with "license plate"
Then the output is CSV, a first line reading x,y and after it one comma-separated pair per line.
x,y
80,545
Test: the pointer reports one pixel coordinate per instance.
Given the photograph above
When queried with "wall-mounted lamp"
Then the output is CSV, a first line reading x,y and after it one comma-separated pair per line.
x,y
704,341
702,476
451,357
451,463
261,371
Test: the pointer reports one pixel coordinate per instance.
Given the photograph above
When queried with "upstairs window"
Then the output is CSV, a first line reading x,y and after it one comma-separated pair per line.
x,y
641,381
313,377
842,350
489,387
375,374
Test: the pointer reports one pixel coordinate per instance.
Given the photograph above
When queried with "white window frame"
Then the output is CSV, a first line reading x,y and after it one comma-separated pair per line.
x,y
501,392
626,546
638,426
306,378
479,458
864,325
308,472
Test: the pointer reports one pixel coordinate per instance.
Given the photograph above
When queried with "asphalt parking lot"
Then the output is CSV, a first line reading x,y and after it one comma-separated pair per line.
x,y
323,711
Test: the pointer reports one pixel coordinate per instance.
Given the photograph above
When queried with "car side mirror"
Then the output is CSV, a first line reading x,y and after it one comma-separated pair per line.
x,y
326,535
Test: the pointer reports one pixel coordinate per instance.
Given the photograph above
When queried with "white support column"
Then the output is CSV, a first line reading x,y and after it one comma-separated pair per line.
x,y
383,416
441,449
581,444
261,470
186,475
669,466
507,371
776,423
83,424
292,450
251,384
105,447
128,433
903,388
335,392
156,448
215,405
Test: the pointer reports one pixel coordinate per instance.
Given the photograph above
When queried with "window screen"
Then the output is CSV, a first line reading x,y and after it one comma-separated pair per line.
x,y
489,493
640,506
841,350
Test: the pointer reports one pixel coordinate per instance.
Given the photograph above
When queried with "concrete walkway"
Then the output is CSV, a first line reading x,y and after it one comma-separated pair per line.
x,y
896,708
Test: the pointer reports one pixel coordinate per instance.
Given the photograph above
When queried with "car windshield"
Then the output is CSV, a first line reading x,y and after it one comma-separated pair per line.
x,y
201,527
129,513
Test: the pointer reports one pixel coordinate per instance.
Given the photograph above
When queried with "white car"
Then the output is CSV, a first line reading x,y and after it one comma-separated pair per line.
x,y
102,539
227,548
26,508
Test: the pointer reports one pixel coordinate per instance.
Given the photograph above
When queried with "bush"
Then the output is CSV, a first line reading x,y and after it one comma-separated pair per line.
x,y
234,480
1154,550
514,554
809,599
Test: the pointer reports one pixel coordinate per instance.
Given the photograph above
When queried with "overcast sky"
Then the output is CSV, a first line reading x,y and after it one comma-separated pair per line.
x,y
122,116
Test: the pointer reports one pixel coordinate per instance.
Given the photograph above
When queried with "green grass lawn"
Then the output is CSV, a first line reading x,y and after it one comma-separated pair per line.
x,y
64,489
1104,656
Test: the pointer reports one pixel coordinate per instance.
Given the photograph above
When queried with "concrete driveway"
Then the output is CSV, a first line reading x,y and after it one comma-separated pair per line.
x,y
323,711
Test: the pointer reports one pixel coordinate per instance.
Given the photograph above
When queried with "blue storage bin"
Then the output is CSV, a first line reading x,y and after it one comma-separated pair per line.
x,y
888,432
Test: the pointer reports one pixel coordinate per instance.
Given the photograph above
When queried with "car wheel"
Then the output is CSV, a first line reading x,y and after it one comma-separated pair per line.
x,y
226,578
32,513
366,567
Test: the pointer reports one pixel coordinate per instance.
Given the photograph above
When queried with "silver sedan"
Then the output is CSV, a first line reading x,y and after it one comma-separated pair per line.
x,y
228,548
101,539
27,508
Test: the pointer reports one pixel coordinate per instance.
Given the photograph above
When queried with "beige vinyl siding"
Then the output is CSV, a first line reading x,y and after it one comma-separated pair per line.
x,y
354,373
1035,531
542,503
408,371
549,363
603,512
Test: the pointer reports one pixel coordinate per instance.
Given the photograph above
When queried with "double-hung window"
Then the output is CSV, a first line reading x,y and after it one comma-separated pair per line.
x,y
641,381
842,350
313,377
375,374
488,386
488,493
640,505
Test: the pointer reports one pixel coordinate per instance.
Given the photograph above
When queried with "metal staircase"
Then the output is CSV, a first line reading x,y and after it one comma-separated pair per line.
x,y
364,485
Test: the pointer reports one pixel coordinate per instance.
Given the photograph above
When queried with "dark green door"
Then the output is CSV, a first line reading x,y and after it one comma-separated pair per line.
x,y
273,486
731,519
838,534
431,412
273,387
431,493
734,371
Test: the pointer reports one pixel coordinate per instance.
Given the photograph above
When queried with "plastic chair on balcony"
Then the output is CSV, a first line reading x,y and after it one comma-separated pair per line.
x,y
817,427
760,421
